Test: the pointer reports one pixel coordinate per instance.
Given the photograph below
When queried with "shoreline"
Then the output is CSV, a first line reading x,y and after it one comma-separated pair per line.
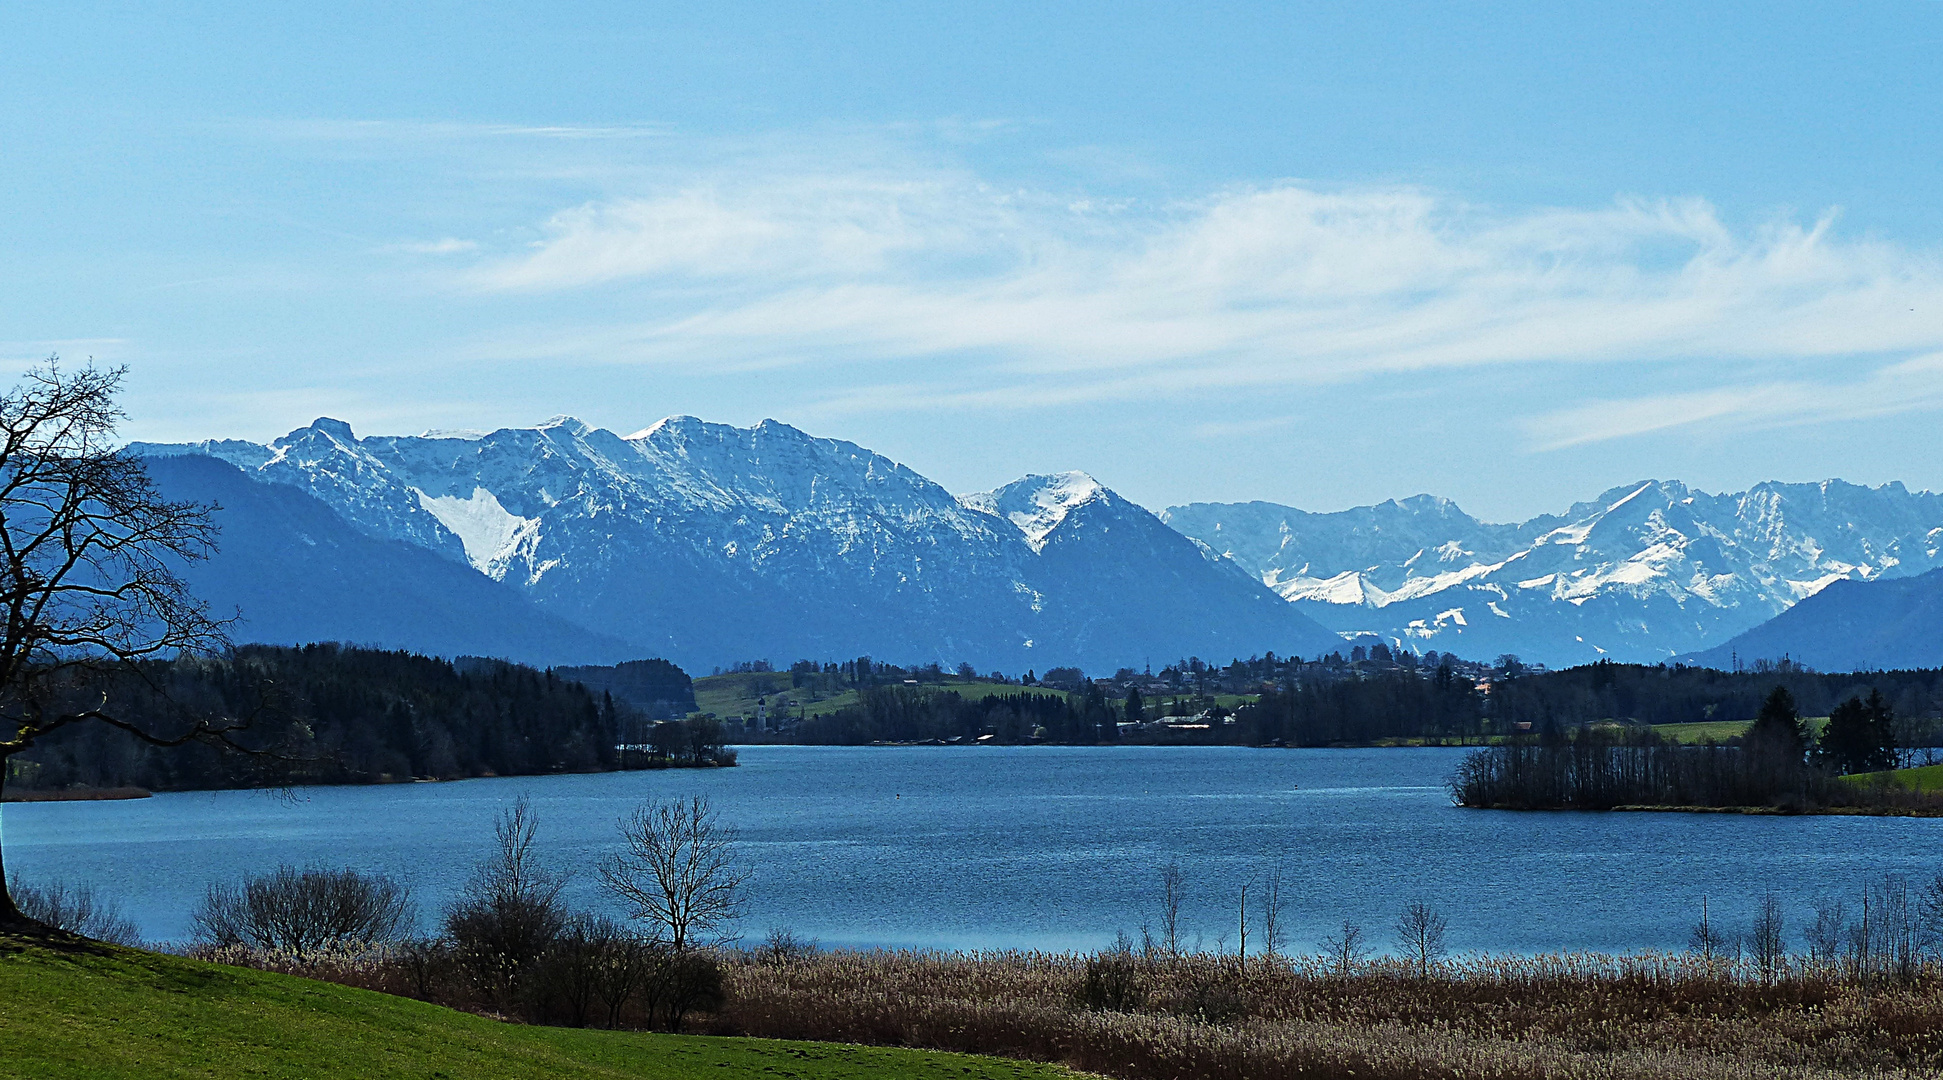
x,y
113,794
1749,811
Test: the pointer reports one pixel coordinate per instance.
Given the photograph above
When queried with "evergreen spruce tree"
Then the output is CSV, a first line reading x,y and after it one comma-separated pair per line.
x,y
1844,742
1778,732
1136,707
1882,734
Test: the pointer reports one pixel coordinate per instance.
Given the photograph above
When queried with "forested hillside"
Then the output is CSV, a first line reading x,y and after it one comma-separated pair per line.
x,y
336,714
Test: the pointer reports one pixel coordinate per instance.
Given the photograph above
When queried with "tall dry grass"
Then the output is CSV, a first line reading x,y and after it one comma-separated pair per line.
x,y
1152,1016
1517,1018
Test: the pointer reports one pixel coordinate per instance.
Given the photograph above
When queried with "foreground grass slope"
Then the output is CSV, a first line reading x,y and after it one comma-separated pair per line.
x,y
98,1011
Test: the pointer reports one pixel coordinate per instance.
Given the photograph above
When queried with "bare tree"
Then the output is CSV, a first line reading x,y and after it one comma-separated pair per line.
x,y
1826,933
1930,911
510,912
1896,926
1172,889
1345,949
88,550
1421,931
1274,900
678,870
1710,941
77,909
1764,938
1241,949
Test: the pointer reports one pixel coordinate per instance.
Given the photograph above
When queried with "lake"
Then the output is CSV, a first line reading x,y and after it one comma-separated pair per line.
x,y
1029,847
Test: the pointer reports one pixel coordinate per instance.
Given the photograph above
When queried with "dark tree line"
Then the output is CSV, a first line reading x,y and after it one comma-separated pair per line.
x,y
1778,763
912,714
1397,703
336,714
1675,694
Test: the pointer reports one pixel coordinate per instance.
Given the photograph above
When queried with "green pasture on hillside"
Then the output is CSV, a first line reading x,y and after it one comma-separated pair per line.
x,y
1723,730
1921,778
737,693
92,1011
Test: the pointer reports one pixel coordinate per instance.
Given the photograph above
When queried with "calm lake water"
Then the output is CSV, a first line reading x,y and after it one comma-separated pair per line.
x,y
1034,847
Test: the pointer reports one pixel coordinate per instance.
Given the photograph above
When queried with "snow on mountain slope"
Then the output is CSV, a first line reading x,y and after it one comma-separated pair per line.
x,y
1643,572
1118,570
1037,504
709,543
296,572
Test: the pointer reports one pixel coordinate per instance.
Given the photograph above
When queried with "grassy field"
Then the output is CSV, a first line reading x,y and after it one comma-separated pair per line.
x,y
1923,778
1717,730
1722,730
736,694
98,1011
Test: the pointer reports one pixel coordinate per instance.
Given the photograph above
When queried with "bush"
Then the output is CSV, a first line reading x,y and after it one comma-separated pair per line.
x,y
510,912
77,909
305,912
1111,982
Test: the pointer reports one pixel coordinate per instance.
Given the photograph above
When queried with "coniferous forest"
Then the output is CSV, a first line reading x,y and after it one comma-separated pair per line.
x,y
325,714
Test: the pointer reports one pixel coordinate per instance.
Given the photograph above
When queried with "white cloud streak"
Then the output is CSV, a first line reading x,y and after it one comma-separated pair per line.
x,y
1053,300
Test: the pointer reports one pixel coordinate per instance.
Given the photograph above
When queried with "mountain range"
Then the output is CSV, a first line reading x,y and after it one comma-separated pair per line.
x,y
707,544
1645,572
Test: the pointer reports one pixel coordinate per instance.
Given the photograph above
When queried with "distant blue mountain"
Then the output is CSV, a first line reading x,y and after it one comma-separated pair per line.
x,y
298,573
706,544
1849,626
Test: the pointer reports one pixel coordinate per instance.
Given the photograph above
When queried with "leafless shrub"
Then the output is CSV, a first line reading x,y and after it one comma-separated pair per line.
x,y
1827,933
692,982
1274,901
1709,940
304,912
1112,979
425,964
781,945
77,909
1172,891
1421,931
627,966
1765,941
571,969
510,912
1345,949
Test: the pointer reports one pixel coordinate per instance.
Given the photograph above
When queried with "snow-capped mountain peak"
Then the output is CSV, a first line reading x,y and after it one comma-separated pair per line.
x,y
1036,505
1644,571
709,543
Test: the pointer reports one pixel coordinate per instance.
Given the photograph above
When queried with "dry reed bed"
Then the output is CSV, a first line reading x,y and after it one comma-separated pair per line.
x,y
1207,1017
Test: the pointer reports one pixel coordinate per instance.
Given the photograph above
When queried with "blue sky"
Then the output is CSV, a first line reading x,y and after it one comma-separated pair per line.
x,y
1318,254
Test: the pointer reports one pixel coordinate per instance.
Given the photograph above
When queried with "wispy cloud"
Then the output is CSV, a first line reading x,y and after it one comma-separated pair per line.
x,y
1052,298
1914,385
410,131
449,245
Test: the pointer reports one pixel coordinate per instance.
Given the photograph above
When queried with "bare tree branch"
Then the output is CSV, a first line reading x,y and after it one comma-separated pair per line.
x,y
89,590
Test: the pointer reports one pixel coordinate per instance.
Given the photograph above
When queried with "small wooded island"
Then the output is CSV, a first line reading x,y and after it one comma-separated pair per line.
x,y
1780,765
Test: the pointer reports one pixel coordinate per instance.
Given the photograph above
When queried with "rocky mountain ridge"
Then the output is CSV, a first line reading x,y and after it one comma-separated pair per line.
x,y
1644,572
706,543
